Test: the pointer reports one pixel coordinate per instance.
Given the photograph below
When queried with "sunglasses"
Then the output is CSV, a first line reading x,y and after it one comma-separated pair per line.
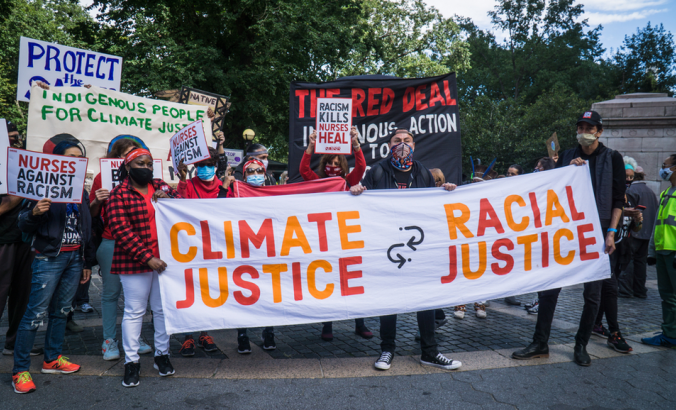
x,y
252,171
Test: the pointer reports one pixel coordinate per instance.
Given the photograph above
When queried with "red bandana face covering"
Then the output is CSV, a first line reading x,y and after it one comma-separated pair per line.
x,y
331,171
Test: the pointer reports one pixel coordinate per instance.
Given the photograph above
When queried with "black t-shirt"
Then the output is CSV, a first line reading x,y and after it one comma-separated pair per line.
x,y
9,228
403,178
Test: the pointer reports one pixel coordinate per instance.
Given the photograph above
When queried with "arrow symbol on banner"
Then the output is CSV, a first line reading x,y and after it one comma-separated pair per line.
x,y
401,260
412,241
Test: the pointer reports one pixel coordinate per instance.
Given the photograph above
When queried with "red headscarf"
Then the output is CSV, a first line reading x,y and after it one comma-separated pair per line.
x,y
253,161
135,153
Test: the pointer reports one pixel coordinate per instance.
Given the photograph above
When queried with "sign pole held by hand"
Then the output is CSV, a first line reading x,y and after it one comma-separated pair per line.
x,y
334,121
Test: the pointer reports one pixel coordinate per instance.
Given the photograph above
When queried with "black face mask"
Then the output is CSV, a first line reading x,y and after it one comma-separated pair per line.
x,y
142,176
628,182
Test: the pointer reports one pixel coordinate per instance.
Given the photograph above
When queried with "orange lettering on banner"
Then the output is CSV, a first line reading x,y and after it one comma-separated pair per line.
x,y
173,238
222,286
275,271
577,216
516,227
457,222
526,241
554,208
297,282
535,208
206,243
239,281
320,220
544,236
465,261
311,279
294,237
345,276
584,242
189,291
505,257
265,233
488,218
229,241
346,229
452,265
563,260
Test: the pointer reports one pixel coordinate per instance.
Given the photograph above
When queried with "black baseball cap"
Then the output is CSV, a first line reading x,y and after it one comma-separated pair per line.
x,y
11,127
590,117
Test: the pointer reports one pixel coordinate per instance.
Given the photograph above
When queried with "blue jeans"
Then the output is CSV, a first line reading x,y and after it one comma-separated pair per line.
x,y
53,288
112,287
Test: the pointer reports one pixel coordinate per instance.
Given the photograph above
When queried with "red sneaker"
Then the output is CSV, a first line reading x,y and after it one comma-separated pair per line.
x,y
23,383
60,365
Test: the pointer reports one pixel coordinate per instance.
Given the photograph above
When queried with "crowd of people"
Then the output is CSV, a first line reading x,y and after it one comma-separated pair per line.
x,y
48,251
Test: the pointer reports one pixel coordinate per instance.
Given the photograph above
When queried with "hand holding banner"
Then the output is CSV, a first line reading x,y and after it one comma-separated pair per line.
x,y
110,171
189,145
334,121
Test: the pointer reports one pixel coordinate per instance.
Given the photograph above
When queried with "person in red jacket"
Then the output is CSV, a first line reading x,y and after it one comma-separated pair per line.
x,y
334,165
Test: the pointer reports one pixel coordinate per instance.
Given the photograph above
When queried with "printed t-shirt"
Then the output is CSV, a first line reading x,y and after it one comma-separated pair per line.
x,y
403,178
71,239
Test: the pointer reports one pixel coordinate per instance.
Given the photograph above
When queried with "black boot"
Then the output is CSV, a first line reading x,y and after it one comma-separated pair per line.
x,y
534,350
581,356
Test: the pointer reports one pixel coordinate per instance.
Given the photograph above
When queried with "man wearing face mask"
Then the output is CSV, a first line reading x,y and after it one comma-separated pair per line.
x,y
608,181
259,152
400,171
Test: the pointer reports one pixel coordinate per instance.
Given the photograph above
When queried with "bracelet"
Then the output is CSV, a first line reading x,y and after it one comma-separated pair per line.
x,y
612,230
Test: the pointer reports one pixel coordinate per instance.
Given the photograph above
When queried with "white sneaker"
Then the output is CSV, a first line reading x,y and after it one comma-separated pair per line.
x,y
459,312
85,308
144,348
480,310
110,350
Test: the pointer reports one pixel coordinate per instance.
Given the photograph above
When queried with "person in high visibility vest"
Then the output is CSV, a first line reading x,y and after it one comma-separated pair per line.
x,y
662,251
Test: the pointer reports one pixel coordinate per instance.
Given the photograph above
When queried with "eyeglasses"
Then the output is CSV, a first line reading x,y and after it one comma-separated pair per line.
x,y
252,171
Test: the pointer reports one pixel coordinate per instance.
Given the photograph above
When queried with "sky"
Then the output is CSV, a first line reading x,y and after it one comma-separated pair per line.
x,y
618,17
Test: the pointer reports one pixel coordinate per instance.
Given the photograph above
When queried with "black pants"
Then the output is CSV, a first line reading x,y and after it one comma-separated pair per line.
x,y
15,285
632,280
608,304
428,343
439,314
357,323
81,296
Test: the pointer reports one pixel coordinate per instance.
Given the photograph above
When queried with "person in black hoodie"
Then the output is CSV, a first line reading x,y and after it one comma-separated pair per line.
x,y
400,171
64,252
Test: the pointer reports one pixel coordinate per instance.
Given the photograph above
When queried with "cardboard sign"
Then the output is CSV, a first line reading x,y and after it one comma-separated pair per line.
x,y
189,145
334,120
4,144
62,66
110,171
234,156
553,146
219,104
34,175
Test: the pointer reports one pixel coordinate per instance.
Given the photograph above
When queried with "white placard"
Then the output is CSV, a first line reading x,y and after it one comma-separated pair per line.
x,y
63,66
189,144
34,175
110,171
234,156
4,144
334,121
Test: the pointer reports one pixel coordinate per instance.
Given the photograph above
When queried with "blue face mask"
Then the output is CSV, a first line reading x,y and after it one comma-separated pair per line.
x,y
256,180
206,173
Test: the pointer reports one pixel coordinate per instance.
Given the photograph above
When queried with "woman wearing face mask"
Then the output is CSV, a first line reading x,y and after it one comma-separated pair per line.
x,y
136,258
334,165
259,152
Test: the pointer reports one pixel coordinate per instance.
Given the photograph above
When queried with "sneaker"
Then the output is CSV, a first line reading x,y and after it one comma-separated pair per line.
x,y
243,345
480,310
85,308
535,302
384,361
364,332
601,331
459,312
269,340
206,342
440,361
659,340
23,383
144,348
617,343
60,366
36,351
110,349
132,371
327,333
74,327
440,322
163,365
188,347
533,310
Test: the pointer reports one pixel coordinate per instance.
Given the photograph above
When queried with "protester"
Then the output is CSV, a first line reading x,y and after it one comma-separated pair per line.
x,y
544,164
259,152
202,186
608,181
400,171
632,280
662,251
15,139
64,254
284,178
136,258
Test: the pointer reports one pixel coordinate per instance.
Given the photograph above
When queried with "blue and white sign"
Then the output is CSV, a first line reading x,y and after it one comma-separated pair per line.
x,y
62,66
234,156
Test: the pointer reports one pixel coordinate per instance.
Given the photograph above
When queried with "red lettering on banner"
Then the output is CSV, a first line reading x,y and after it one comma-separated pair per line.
x,y
313,103
536,210
495,250
320,219
301,94
265,233
388,100
331,92
373,101
585,242
409,99
452,265
189,292
297,282
447,92
250,286
577,216
420,98
346,275
488,218
544,237
44,165
435,95
358,98
206,243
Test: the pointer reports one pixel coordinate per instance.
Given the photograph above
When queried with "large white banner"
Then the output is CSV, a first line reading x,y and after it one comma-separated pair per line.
x,y
63,66
95,116
273,261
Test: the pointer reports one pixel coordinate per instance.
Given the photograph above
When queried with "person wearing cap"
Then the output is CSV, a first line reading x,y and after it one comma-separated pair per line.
x,y
400,171
136,258
64,254
606,169
259,152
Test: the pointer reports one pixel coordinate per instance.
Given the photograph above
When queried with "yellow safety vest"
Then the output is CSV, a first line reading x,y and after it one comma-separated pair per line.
x,y
665,226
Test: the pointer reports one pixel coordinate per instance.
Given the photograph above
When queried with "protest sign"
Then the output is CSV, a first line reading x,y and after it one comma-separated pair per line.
x,y
334,120
234,156
63,66
95,116
219,104
427,107
321,257
34,175
553,146
4,144
110,175
189,145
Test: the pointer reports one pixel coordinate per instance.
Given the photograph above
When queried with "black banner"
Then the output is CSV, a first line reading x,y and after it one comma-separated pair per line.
x,y
427,107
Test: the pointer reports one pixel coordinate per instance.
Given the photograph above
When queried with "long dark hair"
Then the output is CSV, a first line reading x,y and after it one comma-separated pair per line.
x,y
326,158
120,146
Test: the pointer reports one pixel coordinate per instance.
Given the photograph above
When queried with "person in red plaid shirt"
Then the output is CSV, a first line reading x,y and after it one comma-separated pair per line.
x,y
137,258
